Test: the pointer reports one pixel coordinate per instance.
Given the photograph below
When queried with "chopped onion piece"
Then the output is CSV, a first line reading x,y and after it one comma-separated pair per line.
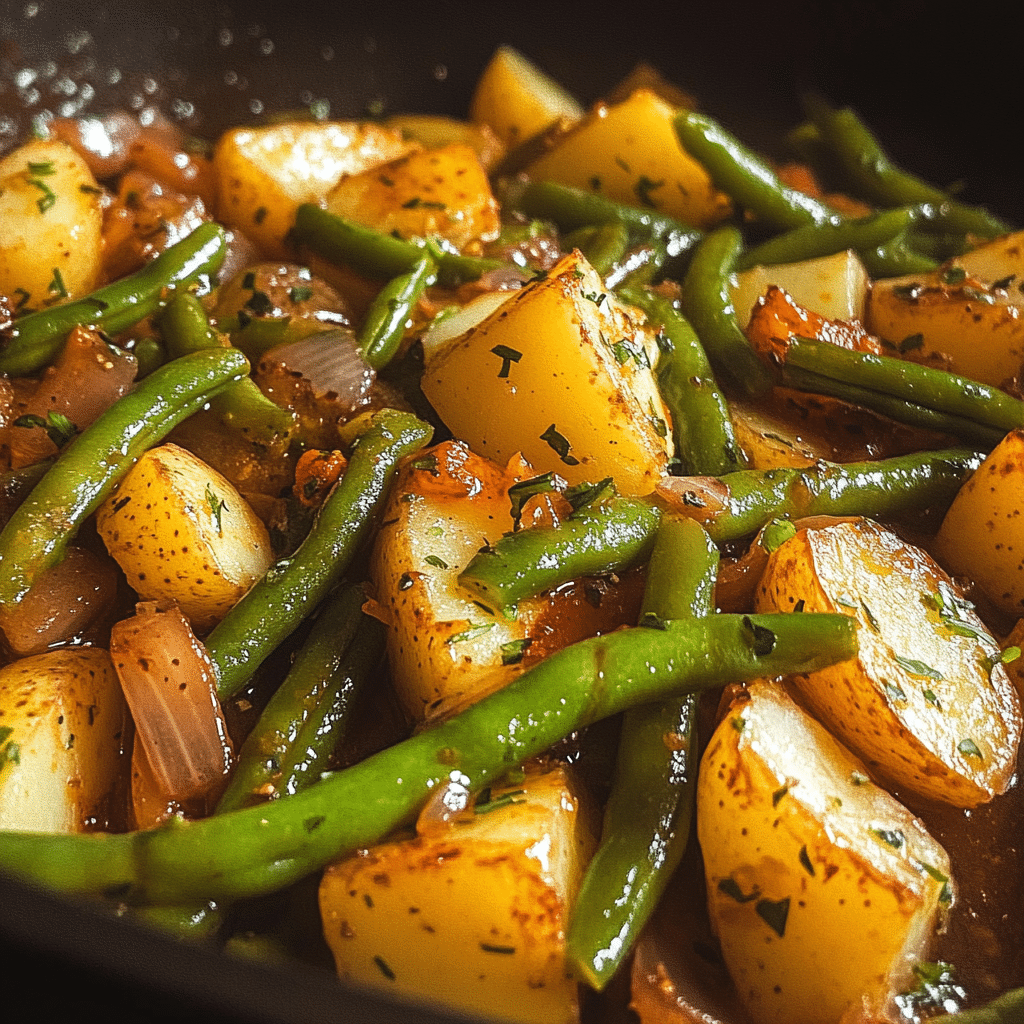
x,y
170,686
452,325
330,361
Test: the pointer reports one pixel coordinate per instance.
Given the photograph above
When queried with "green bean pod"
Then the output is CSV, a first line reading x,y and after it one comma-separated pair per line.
x,y
647,817
39,531
603,245
707,304
745,176
606,537
704,435
294,586
265,848
37,339
384,327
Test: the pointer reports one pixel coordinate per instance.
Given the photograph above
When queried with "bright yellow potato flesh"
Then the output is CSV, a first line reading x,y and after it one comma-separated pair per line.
x,y
922,703
263,174
470,915
62,736
182,532
50,225
982,535
629,152
562,373
824,890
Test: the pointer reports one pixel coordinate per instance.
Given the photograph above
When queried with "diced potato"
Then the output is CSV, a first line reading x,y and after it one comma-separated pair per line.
x,y
471,915
926,703
562,373
836,286
62,741
629,152
444,649
435,192
975,319
982,535
434,131
181,532
824,890
50,225
263,174
517,100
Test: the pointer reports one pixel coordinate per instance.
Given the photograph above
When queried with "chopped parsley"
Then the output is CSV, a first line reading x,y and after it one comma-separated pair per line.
x,y
560,445
217,507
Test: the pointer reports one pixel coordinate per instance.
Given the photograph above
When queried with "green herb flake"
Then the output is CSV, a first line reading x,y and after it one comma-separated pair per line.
x,y
427,463
436,561
969,748
595,297
513,651
774,914
260,215
418,203
954,275
911,343
644,187
41,169
584,494
471,631
521,492
872,621
778,795
799,606
805,860
891,837
384,969
506,950
508,356
23,298
929,696
300,293
917,668
48,199
651,620
731,888
559,444
893,690
761,639
859,779
59,429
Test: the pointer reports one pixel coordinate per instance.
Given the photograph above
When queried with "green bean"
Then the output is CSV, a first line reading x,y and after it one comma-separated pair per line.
x,y
707,304
605,537
384,326
834,235
86,471
378,255
150,353
739,504
241,407
876,178
261,849
36,340
896,258
604,245
1005,1009
745,176
647,817
294,586
292,742
704,435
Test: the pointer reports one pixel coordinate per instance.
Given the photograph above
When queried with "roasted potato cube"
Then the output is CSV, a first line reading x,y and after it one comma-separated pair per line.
x,y
62,741
263,174
50,225
926,703
824,890
470,914
435,130
181,532
435,192
562,373
629,152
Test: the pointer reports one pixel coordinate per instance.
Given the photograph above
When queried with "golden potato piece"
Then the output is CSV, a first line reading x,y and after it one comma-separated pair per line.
x,y
562,373
181,532
471,914
824,890
63,723
926,703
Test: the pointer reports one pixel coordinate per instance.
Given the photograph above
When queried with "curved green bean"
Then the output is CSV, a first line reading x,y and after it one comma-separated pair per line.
x,y
707,304
294,586
384,326
604,245
39,531
609,536
704,435
261,849
36,340
647,817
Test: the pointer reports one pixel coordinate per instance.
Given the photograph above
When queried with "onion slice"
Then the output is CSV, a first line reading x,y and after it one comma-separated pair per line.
x,y
330,361
170,685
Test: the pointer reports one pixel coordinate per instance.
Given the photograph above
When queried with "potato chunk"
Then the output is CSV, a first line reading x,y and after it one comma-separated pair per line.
x,y
629,152
62,736
562,373
181,532
50,225
926,703
263,174
471,914
824,890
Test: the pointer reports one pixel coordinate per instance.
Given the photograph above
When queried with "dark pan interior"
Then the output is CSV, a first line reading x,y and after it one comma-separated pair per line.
x,y
937,91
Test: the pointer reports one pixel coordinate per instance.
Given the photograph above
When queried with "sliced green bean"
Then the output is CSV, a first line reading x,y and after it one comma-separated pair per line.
x,y
647,817
303,722
707,304
384,327
739,504
262,849
85,473
745,176
37,339
604,245
606,537
704,435
294,586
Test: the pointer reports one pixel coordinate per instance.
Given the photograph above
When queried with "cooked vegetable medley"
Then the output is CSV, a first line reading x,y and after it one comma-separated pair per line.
x,y
564,545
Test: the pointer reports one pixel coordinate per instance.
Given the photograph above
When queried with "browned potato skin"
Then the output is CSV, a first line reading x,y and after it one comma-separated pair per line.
x,y
912,730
